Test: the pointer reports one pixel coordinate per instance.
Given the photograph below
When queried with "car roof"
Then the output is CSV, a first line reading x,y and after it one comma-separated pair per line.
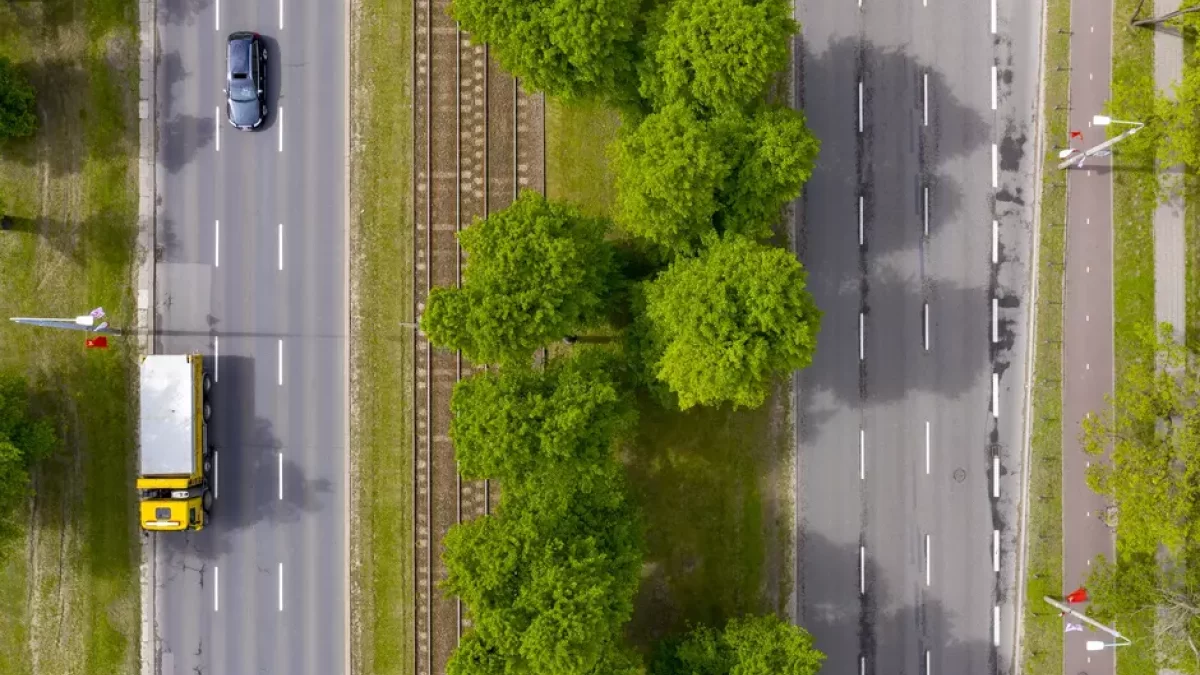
x,y
239,52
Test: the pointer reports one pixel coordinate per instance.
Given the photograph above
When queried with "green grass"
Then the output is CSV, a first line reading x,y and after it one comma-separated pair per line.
x,y
1135,193
69,589
381,348
1042,643
577,170
708,482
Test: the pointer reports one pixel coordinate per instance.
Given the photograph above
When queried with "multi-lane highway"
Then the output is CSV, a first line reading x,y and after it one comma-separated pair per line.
x,y
251,271
916,230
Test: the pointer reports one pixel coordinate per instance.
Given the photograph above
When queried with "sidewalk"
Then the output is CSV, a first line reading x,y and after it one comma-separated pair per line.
x,y
1169,245
1087,316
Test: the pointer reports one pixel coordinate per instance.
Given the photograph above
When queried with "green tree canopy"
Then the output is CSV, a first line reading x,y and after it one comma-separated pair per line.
x,y
719,54
535,272
558,422
570,49
752,645
680,177
24,439
18,103
549,590
719,326
1153,426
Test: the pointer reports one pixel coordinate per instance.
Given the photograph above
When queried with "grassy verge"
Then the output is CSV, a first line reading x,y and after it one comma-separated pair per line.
x,y
707,483
1135,192
381,350
577,138
1042,643
69,589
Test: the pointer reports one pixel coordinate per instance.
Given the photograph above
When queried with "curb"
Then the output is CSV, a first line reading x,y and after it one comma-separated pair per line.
x,y
145,284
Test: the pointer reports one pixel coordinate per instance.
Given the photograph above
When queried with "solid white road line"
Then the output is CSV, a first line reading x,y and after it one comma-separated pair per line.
x,y
217,246
995,319
216,358
926,211
995,242
927,565
862,570
860,106
862,331
217,126
281,247
926,447
996,395
216,474
995,87
995,165
861,233
281,587
995,476
862,454
926,95
996,626
995,550
281,128
216,589
281,363
281,476
925,319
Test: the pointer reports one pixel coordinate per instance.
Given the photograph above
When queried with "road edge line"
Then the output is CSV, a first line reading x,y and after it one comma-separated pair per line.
x,y
347,166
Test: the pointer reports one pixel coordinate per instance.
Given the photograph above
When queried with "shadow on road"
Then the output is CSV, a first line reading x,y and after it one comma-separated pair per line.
x,y
248,470
180,135
176,12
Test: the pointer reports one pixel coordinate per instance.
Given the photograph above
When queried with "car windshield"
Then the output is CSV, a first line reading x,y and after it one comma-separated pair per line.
x,y
241,88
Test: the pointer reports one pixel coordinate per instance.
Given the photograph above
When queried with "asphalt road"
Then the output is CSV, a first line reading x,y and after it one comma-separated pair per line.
x,y
1087,319
251,271
898,422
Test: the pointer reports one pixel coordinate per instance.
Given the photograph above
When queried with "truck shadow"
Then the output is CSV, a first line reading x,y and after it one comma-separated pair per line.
x,y
257,487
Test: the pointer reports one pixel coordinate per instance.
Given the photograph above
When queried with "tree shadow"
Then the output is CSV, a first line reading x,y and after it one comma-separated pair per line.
x,y
176,12
181,136
59,141
249,473
107,237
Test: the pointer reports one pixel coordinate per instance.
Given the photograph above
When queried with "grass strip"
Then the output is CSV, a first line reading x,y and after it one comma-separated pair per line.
x,y
577,168
1042,643
1135,194
382,630
70,590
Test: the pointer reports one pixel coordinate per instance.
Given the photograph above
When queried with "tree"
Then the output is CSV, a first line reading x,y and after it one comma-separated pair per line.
x,y
680,177
719,326
558,422
570,49
668,172
24,440
1153,426
18,103
536,272
752,645
549,590
718,54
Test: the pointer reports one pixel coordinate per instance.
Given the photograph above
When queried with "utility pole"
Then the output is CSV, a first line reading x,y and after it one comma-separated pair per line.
x,y
1073,156
1092,645
1155,20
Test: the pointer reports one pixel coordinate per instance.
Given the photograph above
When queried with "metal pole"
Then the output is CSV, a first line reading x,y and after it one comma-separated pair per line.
x,y
1096,150
1083,617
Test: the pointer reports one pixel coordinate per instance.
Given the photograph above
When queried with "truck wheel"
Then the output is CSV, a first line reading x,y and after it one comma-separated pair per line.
x,y
207,502
206,383
207,411
207,466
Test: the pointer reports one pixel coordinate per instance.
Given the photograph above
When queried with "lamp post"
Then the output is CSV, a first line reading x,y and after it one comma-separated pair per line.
x,y
1077,157
1092,645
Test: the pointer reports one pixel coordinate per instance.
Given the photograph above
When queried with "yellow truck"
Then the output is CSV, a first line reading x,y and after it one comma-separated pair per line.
x,y
176,461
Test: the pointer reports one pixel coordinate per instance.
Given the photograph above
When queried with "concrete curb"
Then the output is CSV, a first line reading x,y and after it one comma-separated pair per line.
x,y
1031,360
144,282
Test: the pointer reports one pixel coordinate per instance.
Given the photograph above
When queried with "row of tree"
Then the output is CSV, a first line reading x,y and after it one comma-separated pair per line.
x,y
680,287
1152,477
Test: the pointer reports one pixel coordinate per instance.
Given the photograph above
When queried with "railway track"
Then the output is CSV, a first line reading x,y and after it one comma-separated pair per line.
x,y
477,141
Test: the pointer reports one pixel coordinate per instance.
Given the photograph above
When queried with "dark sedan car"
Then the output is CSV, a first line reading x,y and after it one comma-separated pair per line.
x,y
246,80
